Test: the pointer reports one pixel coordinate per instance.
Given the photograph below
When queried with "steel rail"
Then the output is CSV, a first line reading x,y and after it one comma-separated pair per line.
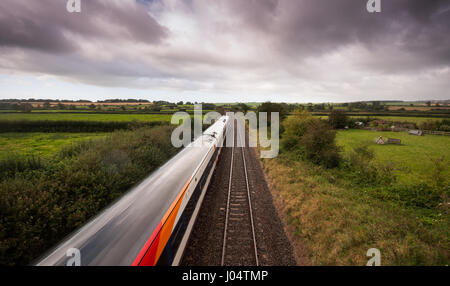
x,y
249,202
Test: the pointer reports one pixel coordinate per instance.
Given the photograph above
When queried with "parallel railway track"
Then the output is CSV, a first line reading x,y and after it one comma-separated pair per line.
x,y
239,240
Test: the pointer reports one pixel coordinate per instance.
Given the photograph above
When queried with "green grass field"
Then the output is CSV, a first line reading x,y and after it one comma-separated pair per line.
x,y
403,118
42,144
411,119
415,152
87,117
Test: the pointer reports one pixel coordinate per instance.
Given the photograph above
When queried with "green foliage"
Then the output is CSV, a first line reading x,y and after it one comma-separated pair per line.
x,y
26,107
320,144
310,138
69,126
84,116
13,163
273,107
42,203
362,168
338,119
294,128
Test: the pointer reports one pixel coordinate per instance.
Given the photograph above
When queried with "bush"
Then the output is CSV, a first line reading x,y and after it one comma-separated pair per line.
x,y
319,143
338,119
272,107
310,138
294,128
69,126
365,172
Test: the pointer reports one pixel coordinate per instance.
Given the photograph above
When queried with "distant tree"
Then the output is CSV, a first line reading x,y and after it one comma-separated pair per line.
x,y
220,110
428,103
92,106
244,107
272,107
26,107
337,119
155,108
320,106
180,103
208,106
46,105
61,106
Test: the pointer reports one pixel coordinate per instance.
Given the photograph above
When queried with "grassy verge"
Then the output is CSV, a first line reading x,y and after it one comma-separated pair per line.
x,y
394,197
339,222
41,201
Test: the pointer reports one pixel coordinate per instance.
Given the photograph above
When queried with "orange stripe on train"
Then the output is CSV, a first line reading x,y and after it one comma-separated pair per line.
x,y
150,253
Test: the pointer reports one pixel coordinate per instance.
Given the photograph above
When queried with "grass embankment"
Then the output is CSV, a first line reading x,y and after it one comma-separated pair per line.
x,y
338,214
41,201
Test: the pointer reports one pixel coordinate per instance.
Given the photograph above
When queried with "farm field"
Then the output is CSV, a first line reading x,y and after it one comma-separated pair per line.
x,y
337,214
87,117
411,119
416,152
40,144
404,118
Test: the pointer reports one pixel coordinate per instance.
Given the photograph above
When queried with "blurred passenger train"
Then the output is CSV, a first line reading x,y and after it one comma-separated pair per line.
x,y
151,224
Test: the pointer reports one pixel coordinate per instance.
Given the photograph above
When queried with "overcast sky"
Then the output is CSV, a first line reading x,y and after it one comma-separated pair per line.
x,y
224,51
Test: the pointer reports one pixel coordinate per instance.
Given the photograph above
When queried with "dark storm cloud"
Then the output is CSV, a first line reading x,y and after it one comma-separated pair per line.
x,y
46,25
312,27
278,47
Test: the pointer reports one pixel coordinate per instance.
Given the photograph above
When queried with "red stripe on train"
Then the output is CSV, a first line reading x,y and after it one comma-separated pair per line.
x,y
150,246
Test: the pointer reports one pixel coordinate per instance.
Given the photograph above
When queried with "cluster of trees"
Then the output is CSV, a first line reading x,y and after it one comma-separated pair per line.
x,y
310,138
131,100
33,100
435,125
362,105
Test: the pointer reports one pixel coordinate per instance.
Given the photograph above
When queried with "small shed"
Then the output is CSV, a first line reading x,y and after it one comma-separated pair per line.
x,y
416,132
393,141
380,140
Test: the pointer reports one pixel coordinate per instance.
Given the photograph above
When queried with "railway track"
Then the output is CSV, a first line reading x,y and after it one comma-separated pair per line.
x,y
239,200
239,240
